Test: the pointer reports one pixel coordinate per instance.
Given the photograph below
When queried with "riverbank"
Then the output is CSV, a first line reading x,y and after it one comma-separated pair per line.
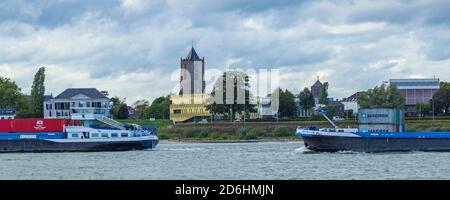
x,y
187,141
262,130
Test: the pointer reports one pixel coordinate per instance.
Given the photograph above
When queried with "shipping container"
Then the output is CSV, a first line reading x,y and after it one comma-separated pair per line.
x,y
380,128
6,125
35,125
381,116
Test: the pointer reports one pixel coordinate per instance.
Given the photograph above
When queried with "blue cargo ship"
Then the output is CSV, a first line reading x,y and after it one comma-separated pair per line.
x,y
333,140
383,133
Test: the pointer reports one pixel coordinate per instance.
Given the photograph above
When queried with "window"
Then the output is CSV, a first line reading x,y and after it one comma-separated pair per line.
x,y
94,135
177,111
105,135
74,135
114,135
124,135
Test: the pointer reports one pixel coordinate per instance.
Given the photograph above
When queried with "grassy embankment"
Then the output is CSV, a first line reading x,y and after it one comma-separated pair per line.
x,y
262,130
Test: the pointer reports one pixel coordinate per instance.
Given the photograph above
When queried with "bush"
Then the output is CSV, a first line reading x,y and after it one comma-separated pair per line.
x,y
204,133
190,133
438,129
411,129
242,133
163,136
251,136
260,132
281,131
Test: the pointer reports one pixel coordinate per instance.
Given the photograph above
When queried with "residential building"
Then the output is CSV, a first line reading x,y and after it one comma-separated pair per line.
x,y
339,107
7,113
77,101
416,91
351,103
190,103
133,114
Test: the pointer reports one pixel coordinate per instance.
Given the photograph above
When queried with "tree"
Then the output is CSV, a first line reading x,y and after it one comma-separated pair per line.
x,y
123,112
117,103
423,109
287,104
37,93
104,92
306,99
11,97
323,95
445,85
382,97
140,106
441,101
219,104
160,108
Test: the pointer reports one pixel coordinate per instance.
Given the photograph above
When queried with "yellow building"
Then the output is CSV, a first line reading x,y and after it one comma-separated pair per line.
x,y
188,107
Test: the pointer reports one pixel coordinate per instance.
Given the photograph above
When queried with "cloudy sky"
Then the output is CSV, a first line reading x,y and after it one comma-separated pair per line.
x,y
132,47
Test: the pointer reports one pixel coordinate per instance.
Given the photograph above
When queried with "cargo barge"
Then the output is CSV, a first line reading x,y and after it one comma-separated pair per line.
x,y
383,133
64,135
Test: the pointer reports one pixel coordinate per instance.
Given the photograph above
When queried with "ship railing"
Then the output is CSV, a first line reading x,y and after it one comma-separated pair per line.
x,y
111,122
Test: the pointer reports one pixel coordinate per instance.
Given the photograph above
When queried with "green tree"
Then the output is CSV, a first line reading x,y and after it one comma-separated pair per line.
x,y
123,112
220,105
423,108
11,97
445,85
287,104
140,106
37,93
323,95
306,99
104,92
441,101
117,102
382,97
159,109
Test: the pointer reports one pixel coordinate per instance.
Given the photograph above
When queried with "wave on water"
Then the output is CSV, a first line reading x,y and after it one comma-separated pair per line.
x,y
181,149
304,150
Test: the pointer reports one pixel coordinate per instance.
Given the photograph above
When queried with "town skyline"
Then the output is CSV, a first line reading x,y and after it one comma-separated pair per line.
x,y
126,46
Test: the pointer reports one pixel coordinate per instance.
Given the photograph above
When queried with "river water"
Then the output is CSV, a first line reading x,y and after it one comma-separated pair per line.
x,y
218,161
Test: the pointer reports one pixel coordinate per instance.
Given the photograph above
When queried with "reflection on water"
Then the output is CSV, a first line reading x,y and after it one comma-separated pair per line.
x,y
271,160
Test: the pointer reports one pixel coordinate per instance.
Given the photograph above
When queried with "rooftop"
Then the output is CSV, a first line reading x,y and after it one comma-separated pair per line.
x,y
89,92
427,83
192,55
317,84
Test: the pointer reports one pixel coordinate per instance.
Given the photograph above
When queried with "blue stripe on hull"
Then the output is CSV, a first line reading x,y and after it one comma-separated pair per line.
x,y
43,136
359,144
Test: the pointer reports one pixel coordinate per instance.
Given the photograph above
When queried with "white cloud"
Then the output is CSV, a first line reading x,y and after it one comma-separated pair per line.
x,y
132,47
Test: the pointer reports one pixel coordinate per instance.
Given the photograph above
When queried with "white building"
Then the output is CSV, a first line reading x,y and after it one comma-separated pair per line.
x,y
77,101
351,103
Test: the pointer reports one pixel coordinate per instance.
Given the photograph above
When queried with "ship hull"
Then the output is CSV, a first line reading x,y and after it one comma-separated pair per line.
x,y
363,144
36,145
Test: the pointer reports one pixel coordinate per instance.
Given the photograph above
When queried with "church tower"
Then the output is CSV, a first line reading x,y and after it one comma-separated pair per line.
x,y
192,77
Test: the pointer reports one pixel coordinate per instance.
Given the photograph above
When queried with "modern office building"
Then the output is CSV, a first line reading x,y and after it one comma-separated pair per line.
x,y
190,103
79,101
416,91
